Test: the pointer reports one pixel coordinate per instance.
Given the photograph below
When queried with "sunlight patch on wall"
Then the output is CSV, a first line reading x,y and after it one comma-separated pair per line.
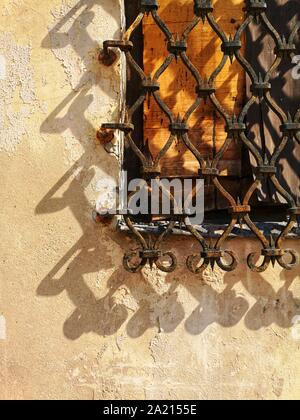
x,y
2,67
2,328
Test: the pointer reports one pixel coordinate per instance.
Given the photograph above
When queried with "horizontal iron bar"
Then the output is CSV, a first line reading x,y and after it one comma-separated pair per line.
x,y
213,230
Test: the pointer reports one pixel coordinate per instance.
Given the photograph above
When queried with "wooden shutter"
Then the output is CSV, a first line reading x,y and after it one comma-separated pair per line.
x,y
178,91
285,90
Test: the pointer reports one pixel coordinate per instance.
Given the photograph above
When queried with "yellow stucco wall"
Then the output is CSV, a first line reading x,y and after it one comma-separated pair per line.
x,y
73,324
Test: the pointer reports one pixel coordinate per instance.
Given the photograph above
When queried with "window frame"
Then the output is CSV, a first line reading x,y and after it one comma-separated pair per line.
x,y
217,218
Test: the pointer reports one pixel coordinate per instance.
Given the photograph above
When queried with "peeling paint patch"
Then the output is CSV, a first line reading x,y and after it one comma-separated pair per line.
x,y
159,349
296,328
107,189
2,328
17,92
2,67
11,7
74,38
73,45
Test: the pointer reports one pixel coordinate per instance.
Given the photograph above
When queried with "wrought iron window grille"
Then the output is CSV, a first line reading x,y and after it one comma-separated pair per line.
x,y
212,253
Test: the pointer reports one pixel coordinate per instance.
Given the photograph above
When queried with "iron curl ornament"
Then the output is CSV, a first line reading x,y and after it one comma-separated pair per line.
x,y
267,168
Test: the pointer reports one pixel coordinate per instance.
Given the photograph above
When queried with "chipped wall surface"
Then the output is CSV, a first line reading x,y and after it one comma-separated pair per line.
x,y
73,324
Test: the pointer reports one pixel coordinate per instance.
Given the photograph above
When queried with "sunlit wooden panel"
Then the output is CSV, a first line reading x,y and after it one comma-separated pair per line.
x,y
178,86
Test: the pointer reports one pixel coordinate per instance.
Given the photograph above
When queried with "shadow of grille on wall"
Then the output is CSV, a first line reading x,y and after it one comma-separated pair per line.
x,y
213,252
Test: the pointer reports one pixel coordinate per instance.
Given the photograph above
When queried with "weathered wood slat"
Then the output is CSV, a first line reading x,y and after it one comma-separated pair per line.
x,y
178,87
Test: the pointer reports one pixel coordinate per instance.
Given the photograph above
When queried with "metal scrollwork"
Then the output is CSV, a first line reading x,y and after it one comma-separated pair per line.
x,y
239,210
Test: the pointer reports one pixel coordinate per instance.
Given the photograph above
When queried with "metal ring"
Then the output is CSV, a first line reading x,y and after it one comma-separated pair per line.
x,y
133,268
171,267
258,269
194,269
233,264
294,261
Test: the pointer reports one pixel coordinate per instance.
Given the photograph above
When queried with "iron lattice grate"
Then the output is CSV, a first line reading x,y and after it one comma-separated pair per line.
x,y
236,127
